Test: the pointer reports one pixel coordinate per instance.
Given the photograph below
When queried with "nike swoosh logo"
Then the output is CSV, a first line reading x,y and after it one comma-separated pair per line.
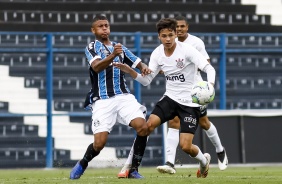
x,y
191,126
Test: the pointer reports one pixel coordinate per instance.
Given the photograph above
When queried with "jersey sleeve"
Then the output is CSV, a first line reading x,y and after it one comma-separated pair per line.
x,y
90,53
129,58
197,58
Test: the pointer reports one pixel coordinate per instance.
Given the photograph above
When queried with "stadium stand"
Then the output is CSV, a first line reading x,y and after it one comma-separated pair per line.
x,y
250,76
52,15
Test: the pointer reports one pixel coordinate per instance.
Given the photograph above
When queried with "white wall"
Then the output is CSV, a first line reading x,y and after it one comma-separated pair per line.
x,y
268,7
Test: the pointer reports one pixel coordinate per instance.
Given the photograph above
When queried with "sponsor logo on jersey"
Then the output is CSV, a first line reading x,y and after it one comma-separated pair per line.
x,y
179,63
180,78
190,119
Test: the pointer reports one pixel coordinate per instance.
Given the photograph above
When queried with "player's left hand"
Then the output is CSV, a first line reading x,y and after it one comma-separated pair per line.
x,y
145,70
123,67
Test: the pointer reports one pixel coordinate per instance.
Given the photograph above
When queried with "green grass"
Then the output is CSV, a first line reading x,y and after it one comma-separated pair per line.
x,y
236,175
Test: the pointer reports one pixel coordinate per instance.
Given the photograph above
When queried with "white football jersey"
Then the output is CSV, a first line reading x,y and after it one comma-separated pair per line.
x,y
198,44
180,70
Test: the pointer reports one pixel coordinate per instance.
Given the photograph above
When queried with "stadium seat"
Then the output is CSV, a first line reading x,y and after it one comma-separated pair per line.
x,y
32,17
206,18
13,16
68,17
137,17
259,19
261,83
120,17
11,119
154,16
150,41
4,106
221,18
50,17
74,105
18,130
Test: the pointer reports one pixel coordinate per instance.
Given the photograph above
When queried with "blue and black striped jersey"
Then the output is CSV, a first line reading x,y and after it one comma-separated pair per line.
x,y
110,81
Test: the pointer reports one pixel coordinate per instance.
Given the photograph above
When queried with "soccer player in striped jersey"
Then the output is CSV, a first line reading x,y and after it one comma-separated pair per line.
x,y
179,63
172,139
110,99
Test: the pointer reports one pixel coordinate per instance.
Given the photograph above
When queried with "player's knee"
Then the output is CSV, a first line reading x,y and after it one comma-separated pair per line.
x,y
142,130
98,145
186,148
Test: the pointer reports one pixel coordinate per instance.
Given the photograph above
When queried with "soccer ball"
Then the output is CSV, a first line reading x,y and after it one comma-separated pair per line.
x,y
203,93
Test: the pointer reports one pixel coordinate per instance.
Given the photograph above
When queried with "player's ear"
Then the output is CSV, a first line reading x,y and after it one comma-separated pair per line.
x,y
93,30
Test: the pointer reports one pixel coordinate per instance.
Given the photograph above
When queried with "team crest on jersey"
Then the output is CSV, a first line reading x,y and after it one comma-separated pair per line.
x,y
179,63
96,123
90,46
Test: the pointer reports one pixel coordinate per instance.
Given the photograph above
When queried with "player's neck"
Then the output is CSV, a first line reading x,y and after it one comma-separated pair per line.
x,y
105,41
169,51
182,39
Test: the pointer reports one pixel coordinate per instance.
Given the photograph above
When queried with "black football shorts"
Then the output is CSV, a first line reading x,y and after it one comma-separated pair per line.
x,y
166,109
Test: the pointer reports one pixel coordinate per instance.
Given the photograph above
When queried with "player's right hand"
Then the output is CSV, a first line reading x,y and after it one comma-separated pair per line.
x,y
117,49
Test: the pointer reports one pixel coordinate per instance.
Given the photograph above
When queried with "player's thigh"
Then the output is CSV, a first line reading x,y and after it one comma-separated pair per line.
x,y
130,111
165,109
189,119
174,123
103,115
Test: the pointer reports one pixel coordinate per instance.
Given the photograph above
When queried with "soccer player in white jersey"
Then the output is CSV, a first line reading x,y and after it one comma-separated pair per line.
x,y
179,63
172,139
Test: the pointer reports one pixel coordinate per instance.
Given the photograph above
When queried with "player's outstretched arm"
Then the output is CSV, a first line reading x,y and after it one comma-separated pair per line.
x,y
144,80
143,68
126,69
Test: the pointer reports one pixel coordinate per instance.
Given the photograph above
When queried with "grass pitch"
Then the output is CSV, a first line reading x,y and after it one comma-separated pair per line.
x,y
233,175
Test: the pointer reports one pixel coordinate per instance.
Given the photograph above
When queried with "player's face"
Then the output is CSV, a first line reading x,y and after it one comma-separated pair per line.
x,y
167,37
181,28
101,29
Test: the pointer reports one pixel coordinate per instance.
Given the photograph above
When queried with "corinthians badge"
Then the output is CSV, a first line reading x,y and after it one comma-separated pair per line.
x,y
179,63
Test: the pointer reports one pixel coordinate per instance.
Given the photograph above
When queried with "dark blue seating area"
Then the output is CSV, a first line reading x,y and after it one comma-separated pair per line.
x,y
21,146
51,15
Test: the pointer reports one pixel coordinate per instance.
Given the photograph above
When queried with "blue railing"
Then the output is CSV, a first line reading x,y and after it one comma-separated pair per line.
x,y
44,43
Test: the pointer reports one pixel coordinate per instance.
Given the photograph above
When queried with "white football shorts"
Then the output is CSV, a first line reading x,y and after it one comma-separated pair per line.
x,y
121,109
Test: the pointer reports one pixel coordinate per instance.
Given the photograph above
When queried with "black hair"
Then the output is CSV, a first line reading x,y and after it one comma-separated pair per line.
x,y
166,23
180,17
99,17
